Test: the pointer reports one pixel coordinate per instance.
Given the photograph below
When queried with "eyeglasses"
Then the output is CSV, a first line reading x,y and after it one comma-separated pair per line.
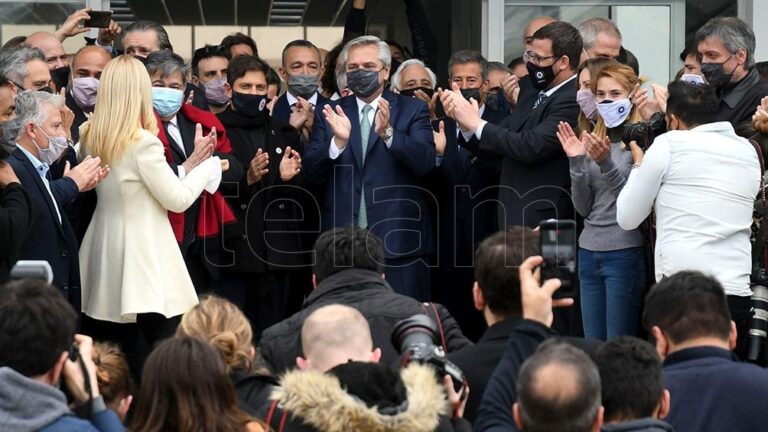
x,y
536,59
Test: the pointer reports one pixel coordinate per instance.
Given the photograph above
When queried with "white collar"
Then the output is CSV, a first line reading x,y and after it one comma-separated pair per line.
x,y
292,99
551,91
374,103
175,121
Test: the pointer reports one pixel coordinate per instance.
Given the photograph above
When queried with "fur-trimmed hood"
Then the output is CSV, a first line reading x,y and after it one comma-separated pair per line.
x,y
320,401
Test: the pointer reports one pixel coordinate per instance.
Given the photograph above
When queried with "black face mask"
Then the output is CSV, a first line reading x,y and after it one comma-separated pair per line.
x,y
541,76
251,106
715,74
412,92
471,93
46,89
363,83
60,77
492,98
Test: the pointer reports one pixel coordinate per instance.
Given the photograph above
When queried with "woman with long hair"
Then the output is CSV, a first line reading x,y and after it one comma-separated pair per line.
x,y
222,325
131,266
184,388
611,260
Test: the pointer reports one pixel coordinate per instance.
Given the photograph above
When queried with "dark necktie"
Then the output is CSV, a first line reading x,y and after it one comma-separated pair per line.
x,y
540,99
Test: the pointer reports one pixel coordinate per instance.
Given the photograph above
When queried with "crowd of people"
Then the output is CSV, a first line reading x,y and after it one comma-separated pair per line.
x,y
361,251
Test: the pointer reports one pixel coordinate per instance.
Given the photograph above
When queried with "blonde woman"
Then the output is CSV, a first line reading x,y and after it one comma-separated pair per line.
x,y
222,325
131,266
611,260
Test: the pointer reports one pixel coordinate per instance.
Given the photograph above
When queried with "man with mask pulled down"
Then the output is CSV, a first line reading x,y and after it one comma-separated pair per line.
x,y
726,50
41,141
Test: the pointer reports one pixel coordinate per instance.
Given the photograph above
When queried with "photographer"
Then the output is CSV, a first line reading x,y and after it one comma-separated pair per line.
x,y
703,179
37,329
341,386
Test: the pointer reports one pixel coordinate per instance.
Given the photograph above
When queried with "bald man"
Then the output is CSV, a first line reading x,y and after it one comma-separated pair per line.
x,y
55,56
333,335
530,29
87,66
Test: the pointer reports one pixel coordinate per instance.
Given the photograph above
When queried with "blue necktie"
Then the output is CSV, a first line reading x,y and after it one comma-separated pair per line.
x,y
540,100
365,132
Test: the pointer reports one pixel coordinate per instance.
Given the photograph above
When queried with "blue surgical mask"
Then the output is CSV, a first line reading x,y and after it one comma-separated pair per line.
x,y
167,101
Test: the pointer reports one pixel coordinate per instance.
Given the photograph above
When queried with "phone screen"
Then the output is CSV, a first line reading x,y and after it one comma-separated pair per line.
x,y
98,19
557,241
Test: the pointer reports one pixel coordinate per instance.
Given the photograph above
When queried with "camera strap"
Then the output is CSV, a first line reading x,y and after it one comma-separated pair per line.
x,y
762,237
429,306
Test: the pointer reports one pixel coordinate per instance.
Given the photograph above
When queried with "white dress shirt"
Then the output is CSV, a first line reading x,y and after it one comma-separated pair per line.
x,y
549,93
291,99
702,184
333,150
42,169
175,133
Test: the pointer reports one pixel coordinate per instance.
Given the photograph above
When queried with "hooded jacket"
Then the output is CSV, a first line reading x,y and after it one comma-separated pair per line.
x,y
320,402
29,405
639,425
366,291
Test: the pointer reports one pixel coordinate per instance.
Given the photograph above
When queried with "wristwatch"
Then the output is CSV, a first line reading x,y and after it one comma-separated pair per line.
x,y
388,133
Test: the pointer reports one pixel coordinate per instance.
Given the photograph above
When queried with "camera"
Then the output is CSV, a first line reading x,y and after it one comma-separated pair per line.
x,y
643,133
416,339
758,328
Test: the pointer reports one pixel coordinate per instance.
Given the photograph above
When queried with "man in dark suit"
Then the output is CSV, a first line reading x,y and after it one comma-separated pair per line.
x,y
372,150
496,292
301,71
41,141
535,180
711,390
182,134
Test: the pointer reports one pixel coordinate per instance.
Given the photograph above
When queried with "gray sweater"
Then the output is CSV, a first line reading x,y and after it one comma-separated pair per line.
x,y
594,189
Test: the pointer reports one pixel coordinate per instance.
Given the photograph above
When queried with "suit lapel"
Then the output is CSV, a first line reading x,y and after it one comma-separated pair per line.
x,y
47,196
187,130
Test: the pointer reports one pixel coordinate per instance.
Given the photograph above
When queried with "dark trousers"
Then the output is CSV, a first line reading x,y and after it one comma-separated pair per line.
x,y
263,297
409,276
741,315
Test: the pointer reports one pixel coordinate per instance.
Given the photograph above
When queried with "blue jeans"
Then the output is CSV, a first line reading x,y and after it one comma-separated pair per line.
x,y
612,286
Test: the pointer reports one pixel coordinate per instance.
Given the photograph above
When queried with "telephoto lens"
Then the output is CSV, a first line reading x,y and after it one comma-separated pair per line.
x,y
417,339
758,329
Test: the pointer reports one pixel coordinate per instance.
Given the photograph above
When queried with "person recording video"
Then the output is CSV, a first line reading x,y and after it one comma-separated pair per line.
x,y
703,179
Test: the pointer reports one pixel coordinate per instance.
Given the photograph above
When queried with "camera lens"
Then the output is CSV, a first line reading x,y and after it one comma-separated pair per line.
x,y
417,330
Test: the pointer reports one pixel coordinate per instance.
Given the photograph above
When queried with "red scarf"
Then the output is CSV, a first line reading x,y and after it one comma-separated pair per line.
x,y
214,211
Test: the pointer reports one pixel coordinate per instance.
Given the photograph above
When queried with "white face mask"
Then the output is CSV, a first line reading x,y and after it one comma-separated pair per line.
x,y
692,78
56,146
614,113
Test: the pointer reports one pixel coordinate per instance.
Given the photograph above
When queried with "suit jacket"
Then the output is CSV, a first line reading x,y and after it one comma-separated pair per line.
x,y
393,177
50,240
465,185
479,360
535,177
130,260
229,178
16,212
282,110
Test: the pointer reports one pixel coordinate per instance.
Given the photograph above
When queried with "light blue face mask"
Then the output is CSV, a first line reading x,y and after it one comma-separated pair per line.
x,y
167,101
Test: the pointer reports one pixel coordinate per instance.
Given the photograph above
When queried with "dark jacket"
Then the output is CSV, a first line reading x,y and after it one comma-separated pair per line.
x,y
535,178
366,291
392,177
315,401
282,110
27,405
268,211
16,213
712,391
48,239
640,425
253,391
478,361
80,117
738,101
